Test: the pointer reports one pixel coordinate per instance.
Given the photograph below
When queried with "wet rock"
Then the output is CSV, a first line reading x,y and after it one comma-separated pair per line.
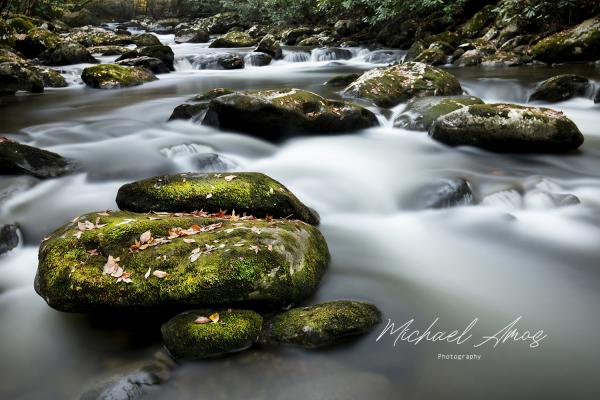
x,y
257,59
187,111
273,114
92,37
221,23
163,53
269,45
10,56
561,87
112,76
18,159
469,58
109,50
234,331
580,43
321,325
420,113
150,63
345,27
249,192
212,94
67,53
390,86
508,128
443,193
478,22
433,56
9,238
36,41
192,36
231,262
342,80
234,39
82,17
50,77
15,77
145,40
221,60
293,36
597,97
383,57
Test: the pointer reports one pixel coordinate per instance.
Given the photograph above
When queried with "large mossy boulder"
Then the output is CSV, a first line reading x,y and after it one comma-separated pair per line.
x,y
36,41
146,39
192,35
580,43
220,23
234,39
420,113
193,335
51,77
274,114
112,76
123,261
67,53
269,45
20,23
508,128
163,53
321,325
390,86
245,192
16,76
560,88
19,159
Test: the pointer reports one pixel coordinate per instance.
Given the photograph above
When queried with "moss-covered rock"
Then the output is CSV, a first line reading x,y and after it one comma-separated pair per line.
x,y
269,45
476,24
20,24
7,34
212,94
16,76
90,37
420,113
220,23
100,262
560,88
274,114
36,41
111,76
234,39
51,77
145,39
80,18
508,128
580,43
19,159
342,80
432,56
469,58
67,53
10,56
163,53
245,192
192,35
235,330
295,35
390,86
322,324
109,50
152,64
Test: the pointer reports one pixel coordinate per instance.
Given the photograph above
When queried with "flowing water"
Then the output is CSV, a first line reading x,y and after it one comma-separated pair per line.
x,y
519,252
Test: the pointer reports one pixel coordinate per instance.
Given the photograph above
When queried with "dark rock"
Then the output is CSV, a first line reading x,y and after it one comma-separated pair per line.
x,y
345,27
192,36
16,159
561,87
469,58
50,77
331,53
186,111
269,45
221,23
432,56
80,18
15,77
9,238
342,80
444,193
67,53
150,63
163,53
420,113
219,60
580,43
145,40
109,50
293,36
257,59
36,41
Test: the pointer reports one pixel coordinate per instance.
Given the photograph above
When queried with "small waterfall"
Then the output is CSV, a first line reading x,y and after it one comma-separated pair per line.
x,y
196,157
296,56
330,54
183,64
385,56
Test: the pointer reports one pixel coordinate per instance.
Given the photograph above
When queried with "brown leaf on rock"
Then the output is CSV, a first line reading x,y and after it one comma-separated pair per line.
x,y
146,237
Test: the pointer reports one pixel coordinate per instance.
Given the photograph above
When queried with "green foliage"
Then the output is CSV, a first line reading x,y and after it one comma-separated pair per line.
x,y
540,13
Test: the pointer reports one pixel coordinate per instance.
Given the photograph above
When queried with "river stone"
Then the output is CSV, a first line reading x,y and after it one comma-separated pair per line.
x,y
212,94
293,36
192,36
221,22
186,111
390,86
67,53
597,97
36,41
432,56
269,45
342,80
444,193
235,330
420,113
90,37
476,24
257,59
508,128
234,39
109,50
21,24
17,159
561,87
247,192
469,58
163,53
112,76
15,77
80,18
150,63
232,262
11,56
274,114
221,60
146,39
322,324
9,238
580,43
50,77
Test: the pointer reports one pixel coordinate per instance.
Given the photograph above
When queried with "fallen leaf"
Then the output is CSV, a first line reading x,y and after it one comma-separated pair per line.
x,y
254,248
201,320
189,241
147,274
112,267
124,277
159,274
214,317
208,196
125,222
229,178
270,247
93,252
145,237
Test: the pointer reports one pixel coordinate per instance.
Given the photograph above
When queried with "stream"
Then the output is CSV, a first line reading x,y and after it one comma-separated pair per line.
x,y
518,252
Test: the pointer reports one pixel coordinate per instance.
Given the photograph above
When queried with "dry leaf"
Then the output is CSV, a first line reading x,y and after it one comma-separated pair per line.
x,y
201,320
146,237
270,247
125,222
124,277
208,196
214,317
159,274
147,274
254,248
229,178
112,267
189,240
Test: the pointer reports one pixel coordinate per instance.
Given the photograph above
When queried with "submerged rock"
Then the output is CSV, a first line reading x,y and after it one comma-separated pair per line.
x,y
561,87
580,43
232,331
234,39
112,76
321,325
9,238
163,53
269,45
444,193
245,192
220,60
122,261
420,113
15,76
508,128
152,64
67,53
390,86
17,159
273,114
193,111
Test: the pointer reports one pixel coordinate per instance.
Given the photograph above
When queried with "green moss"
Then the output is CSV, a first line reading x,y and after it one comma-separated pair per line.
x,y
109,76
342,80
21,24
581,43
322,324
420,113
433,56
236,330
212,94
560,87
474,26
234,39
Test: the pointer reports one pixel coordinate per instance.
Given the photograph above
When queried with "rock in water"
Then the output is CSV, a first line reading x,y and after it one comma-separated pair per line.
x,y
163,53
36,41
15,77
322,324
234,39
580,43
342,80
146,39
112,76
389,86
152,64
420,113
508,128
444,193
433,56
561,87
67,53
16,158
9,238
274,114
51,77
244,192
257,59
269,45
127,262
192,36
221,60
194,335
